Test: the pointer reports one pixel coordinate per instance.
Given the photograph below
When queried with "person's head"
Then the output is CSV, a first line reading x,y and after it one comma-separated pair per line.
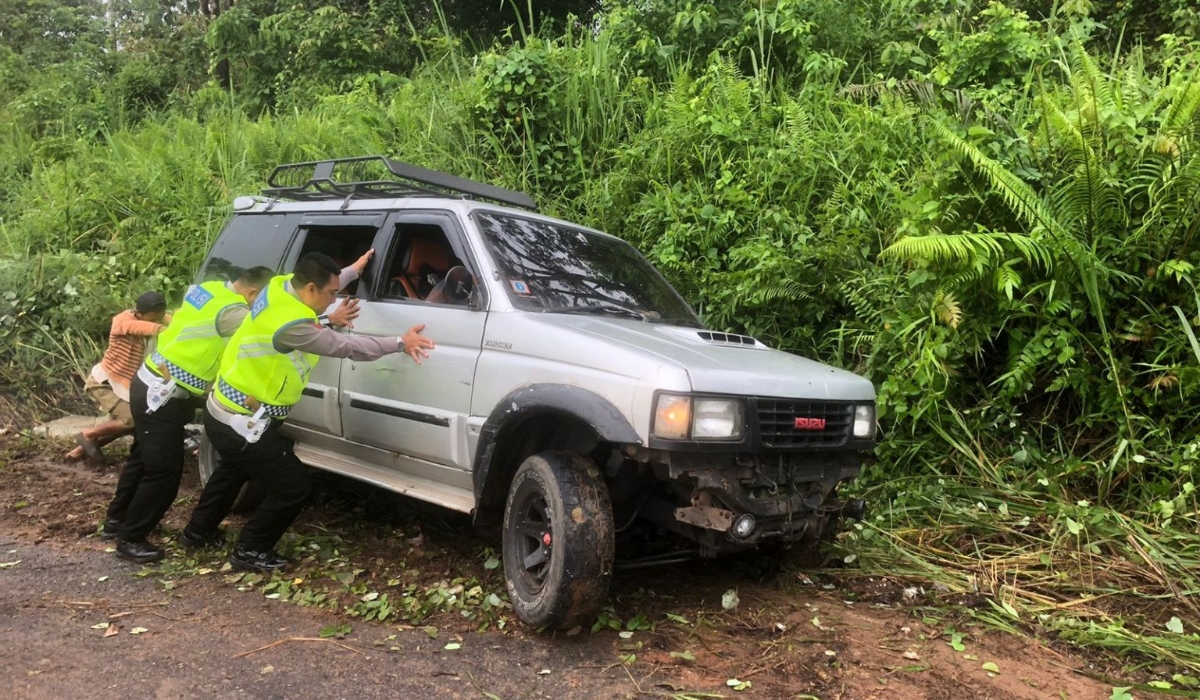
x,y
315,280
151,306
250,282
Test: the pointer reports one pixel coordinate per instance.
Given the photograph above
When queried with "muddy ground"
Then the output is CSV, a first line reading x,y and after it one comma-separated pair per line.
x,y
189,628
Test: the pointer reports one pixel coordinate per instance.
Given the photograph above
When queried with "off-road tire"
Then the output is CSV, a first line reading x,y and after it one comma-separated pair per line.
x,y
562,495
252,494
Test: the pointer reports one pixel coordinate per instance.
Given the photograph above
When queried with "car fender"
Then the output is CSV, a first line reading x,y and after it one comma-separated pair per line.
x,y
609,424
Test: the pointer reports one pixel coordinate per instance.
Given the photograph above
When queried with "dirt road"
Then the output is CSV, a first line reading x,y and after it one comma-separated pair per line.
x,y
188,629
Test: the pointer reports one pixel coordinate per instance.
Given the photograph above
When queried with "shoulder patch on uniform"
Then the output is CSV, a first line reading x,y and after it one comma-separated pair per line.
x,y
260,302
198,296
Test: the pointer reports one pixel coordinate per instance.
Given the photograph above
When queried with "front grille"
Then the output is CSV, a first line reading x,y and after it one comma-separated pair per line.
x,y
777,423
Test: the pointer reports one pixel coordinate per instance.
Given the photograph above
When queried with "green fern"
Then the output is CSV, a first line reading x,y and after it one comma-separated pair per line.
x,y
1016,193
1008,280
968,248
797,123
790,290
1019,377
865,308
1181,117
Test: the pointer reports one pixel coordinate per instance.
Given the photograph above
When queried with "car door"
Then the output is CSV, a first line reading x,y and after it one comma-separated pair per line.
x,y
343,237
393,403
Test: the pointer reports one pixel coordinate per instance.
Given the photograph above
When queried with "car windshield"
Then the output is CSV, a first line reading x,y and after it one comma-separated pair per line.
x,y
559,269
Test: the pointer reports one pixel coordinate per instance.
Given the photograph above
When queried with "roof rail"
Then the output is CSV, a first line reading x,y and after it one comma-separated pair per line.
x,y
376,177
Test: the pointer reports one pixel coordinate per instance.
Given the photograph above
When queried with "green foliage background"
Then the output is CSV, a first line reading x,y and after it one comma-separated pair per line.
x,y
989,209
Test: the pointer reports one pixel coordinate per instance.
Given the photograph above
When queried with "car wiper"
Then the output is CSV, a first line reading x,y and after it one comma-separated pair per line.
x,y
607,309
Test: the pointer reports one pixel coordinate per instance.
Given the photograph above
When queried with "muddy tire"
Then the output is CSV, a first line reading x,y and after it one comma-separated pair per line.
x,y
252,494
558,541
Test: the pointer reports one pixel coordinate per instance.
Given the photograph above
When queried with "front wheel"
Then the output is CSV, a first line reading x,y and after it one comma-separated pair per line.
x,y
558,540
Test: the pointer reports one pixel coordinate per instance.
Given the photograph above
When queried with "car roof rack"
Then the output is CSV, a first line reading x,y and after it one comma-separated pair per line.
x,y
379,177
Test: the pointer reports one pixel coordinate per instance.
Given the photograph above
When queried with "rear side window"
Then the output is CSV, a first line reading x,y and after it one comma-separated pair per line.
x,y
342,243
250,240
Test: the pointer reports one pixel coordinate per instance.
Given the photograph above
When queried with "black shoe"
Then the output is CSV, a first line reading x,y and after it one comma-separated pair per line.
x,y
249,560
139,552
214,539
111,530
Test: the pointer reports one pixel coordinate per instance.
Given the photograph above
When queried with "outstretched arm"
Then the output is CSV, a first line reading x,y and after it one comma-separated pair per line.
x,y
326,342
133,326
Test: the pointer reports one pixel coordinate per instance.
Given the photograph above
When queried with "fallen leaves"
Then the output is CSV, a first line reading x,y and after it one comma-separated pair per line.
x,y
335,631
729,600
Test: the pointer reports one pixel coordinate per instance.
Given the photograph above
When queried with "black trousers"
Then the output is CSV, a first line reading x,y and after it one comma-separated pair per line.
x,y
150,478
269,461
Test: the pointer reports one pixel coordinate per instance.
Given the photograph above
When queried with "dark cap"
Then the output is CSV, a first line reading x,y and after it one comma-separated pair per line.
x,y
151,302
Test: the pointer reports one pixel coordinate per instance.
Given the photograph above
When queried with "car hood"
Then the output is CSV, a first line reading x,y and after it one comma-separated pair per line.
x,y
722,363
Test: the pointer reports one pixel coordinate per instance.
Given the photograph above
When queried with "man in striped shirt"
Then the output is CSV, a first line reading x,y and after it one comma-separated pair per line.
x,y
108,382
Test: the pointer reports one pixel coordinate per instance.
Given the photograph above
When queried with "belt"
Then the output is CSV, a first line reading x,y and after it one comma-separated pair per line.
x,y
219,411
182,376
242,400
148,378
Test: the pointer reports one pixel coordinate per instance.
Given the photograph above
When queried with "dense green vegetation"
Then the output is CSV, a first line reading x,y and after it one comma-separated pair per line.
x,y
990,209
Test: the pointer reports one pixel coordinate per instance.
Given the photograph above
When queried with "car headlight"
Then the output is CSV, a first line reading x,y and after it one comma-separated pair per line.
x,y
864,421
682,417
717,419
672,417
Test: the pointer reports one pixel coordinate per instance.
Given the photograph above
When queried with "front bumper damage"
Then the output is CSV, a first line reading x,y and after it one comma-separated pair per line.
x,y
732,502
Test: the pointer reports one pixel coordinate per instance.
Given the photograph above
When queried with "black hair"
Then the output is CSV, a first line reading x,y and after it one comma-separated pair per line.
x,y
316,268
150,302
256,277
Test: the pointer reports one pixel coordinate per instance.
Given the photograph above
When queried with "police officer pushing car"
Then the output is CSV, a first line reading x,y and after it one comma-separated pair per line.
x,y
264,370
163,398
166,392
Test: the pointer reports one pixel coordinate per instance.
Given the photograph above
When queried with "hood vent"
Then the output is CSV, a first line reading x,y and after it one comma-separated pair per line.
x,y
727,339
718,338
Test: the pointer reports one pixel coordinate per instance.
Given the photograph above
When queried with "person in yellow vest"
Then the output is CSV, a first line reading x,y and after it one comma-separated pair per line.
x,y
163,397
165,394
264,370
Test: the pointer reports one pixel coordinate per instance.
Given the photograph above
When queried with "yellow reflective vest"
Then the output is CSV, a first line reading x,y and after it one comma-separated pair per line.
x,y
191,346
253,372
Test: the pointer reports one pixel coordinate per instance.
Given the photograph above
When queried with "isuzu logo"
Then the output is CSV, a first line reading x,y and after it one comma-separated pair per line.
x,y
810,423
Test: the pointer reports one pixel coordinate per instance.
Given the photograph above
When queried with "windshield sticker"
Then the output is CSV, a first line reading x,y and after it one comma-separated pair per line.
x,y
521,287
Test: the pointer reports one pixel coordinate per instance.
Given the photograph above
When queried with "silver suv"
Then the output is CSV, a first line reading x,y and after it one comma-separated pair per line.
x,y
573,397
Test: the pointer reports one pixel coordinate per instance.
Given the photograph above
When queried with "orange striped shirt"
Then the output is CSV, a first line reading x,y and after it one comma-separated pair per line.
x,y
127,346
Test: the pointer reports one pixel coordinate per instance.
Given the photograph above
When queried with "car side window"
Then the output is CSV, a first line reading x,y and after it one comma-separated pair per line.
x,y
423,266
250,240
342,243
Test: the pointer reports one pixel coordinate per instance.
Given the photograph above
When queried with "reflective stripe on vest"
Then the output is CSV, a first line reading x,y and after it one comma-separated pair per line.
x,y
191,346
251,367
